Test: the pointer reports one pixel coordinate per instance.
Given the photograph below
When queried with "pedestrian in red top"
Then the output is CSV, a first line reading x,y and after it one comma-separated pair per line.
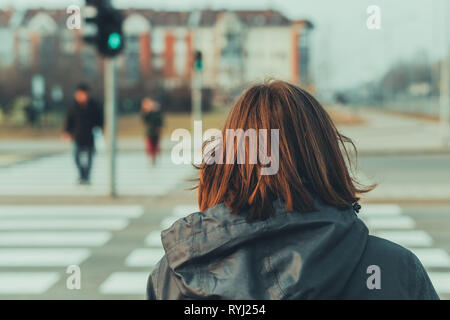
x,y
153,121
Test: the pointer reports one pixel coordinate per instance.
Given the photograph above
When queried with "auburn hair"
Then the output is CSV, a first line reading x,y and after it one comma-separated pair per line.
x,y
311,160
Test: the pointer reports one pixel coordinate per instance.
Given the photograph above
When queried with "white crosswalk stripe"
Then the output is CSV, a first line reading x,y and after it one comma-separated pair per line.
x,y
407,238
67,210
441,281
144,257
153,239
57,175
25,257
168,222
61,223
184,210
392,222
125,283
433,257
12,283
134,282
377,210
52,237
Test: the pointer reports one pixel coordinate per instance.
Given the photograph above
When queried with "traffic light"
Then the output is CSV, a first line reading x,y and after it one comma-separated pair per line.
x,y
198,61
105,25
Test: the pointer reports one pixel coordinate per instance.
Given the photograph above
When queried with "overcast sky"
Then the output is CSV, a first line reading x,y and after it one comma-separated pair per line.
x,y
344,51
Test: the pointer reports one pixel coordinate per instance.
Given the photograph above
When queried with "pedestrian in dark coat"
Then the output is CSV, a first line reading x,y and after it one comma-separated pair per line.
x,y
84,115
292,232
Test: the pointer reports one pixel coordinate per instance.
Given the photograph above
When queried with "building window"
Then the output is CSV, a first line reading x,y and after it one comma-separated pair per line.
x,y
68,41
304,58
180,54
233,46
24,50
89,61
132,57
157,41
47,50
158,61
7,47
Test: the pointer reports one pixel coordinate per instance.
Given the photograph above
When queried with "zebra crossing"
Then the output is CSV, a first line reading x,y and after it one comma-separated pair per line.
x,y
33,257
134,282
383,220
57,176
37,242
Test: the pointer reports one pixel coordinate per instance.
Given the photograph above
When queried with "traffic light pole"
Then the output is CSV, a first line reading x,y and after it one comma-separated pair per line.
x,y
111,120
196,112
103,29
196,93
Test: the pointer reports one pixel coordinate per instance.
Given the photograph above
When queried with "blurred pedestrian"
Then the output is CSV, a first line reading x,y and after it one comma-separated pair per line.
x,y
293,234
153,120
84,115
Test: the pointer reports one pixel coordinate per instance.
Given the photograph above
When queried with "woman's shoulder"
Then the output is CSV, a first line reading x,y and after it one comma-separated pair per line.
x,y
396,269
388,252
403,263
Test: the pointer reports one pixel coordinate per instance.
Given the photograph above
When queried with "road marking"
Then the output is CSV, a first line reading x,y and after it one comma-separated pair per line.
x,y
379,210
153,239
433,257
50,238
125,283
88,191
168,222
441,281
57,175
75,210
390,222
410,238
46,223
184,210
27,282
26,257
144,257
178,212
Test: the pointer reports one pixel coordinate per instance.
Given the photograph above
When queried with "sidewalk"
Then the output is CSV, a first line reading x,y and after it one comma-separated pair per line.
x,y
9,159
383,133
386,133
57,145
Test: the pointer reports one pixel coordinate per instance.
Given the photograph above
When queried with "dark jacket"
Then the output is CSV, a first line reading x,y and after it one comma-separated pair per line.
x,y
80,121
153,122
318,255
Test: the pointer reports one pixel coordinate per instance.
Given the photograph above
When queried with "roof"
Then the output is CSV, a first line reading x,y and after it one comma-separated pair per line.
x,y
206,17
5,16
267,17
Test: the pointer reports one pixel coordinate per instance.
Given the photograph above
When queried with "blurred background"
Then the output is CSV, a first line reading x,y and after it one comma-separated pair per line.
x,y
381,69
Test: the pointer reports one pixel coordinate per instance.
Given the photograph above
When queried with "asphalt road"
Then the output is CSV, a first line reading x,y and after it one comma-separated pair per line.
x,y
407,169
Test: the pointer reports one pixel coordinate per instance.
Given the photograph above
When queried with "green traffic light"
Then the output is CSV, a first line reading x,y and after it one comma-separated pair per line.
x,y
114,41
198,65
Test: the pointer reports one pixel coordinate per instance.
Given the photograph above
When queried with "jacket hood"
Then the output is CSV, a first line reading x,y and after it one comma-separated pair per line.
x,y
292,255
